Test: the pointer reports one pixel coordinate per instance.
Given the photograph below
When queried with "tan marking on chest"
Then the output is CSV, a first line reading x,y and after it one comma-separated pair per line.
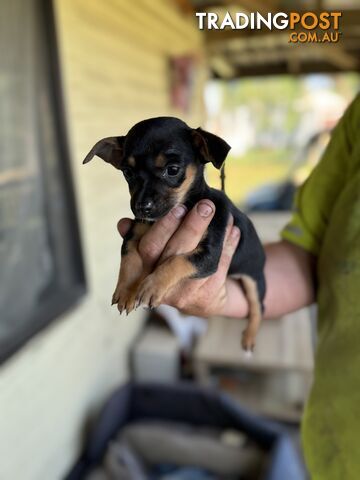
x,y
140,228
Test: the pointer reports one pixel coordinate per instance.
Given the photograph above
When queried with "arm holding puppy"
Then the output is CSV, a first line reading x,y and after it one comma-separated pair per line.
x,y
289,270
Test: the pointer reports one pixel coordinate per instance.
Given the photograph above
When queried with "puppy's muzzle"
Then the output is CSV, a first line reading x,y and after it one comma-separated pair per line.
x,y
144,209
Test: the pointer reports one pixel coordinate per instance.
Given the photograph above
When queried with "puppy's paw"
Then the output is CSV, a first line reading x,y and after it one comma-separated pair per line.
x,y
248,341
150,293
115,297
125,300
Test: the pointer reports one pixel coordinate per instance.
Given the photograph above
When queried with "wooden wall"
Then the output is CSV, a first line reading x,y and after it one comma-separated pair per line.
x,y
114,57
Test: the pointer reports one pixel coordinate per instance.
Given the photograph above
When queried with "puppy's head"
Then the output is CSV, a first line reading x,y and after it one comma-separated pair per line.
x,y
162,160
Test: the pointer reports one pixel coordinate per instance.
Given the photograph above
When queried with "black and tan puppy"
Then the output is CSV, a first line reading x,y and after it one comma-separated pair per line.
x,y
163,161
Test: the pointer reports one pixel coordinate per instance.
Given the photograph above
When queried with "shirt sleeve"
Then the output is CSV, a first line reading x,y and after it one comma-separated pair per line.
x,y
315,199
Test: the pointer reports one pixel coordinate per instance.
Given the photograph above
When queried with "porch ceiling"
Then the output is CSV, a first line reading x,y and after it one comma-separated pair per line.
x,y
239,53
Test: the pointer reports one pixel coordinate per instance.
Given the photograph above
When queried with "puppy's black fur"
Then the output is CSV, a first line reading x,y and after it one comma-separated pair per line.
x,y
163,162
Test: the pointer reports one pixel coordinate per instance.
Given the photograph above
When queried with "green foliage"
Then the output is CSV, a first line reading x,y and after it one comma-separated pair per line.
x,y
263,95
276,113
248,171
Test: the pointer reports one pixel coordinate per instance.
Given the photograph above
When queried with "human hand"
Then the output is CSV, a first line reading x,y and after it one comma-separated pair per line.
x,y
175,235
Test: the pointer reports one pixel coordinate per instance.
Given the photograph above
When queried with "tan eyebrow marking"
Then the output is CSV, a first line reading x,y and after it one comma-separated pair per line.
x,y
160,160
131,161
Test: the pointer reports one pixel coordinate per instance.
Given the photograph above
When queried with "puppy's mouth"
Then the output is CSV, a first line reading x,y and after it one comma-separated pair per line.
x,y
154,216
160,206
147,219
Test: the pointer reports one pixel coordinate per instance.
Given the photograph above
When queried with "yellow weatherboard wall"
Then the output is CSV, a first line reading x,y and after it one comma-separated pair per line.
x,y
114,58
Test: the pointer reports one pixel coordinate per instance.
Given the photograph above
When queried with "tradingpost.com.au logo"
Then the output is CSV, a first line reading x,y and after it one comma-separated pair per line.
x,y
305,27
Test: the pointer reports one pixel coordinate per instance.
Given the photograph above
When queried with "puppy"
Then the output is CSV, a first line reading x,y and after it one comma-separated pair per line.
x,y
163,161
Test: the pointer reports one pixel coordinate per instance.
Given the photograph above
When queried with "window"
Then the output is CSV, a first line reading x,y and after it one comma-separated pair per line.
x,y
41,268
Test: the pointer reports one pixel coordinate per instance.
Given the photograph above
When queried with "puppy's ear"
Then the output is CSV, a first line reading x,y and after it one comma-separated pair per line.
x,y
210,147
110,149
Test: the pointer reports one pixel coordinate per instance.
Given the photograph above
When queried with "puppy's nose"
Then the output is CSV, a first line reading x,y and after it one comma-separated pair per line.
x,y
145,207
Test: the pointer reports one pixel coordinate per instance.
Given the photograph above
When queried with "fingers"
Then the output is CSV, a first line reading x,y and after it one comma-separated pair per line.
x,y
123,226
192,229
155,239
230,243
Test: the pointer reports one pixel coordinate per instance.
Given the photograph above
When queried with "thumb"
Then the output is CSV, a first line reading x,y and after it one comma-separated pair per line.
x,y
123,226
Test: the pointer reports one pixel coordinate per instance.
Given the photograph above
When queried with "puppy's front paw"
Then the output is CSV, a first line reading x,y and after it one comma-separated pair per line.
x,y
115,297
125,299
150,293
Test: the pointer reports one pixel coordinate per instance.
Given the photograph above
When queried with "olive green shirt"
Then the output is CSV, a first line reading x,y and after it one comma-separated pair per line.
x,y
326,222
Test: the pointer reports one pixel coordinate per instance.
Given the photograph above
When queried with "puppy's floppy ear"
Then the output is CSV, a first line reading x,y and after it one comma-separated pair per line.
x,y
110,149
210,147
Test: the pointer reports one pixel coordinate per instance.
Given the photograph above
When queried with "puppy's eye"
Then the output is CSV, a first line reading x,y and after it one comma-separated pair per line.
x,y
172,170
128,173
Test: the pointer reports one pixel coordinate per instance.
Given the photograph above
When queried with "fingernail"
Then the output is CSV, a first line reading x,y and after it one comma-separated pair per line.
x,y
204,209
179,211
235,233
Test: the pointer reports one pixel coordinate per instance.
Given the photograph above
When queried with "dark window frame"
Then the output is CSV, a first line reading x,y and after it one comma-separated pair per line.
x,y
64,299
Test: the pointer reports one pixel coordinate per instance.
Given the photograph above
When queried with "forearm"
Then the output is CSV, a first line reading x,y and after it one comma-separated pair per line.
x,y
290,278
289,273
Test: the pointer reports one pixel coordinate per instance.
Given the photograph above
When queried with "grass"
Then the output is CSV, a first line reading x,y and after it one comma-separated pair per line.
x,y
245,173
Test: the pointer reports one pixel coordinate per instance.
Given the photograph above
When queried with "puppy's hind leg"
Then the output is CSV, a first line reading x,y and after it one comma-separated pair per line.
x,y
166,276
255,314
199,263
